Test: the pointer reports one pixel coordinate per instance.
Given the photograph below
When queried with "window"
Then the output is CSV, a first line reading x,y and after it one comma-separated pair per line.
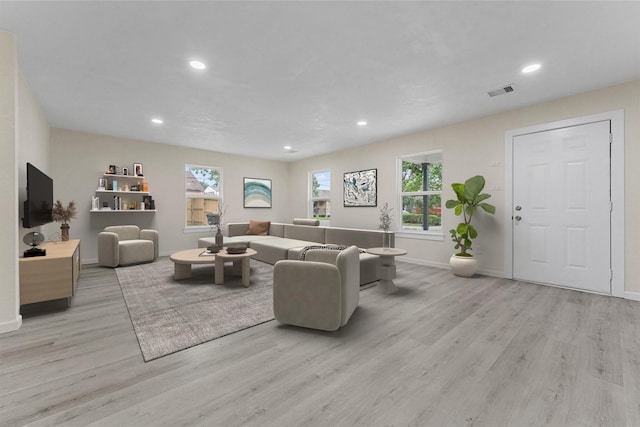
x,y
320,200
421,192
203,195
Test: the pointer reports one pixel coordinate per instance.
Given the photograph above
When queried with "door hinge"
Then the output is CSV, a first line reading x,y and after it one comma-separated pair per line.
x,y
610,138
610,206
610,275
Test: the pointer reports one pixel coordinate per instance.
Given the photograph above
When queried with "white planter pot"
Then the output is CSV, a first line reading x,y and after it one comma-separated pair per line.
x,y
463,266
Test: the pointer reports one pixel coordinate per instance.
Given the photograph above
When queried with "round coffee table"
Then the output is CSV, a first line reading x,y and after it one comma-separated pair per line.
x,y
182,261
386,268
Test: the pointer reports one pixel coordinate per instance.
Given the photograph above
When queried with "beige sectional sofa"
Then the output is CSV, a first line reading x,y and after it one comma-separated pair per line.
x,y
286,241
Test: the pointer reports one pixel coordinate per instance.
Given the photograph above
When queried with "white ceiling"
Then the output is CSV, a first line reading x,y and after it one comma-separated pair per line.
x,y
303,73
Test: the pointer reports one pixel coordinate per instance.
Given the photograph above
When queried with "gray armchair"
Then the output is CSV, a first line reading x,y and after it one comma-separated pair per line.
x,y
320,292
126,244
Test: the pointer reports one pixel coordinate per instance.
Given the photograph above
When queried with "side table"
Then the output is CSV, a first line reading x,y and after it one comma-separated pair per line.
x,y
386,268
240,265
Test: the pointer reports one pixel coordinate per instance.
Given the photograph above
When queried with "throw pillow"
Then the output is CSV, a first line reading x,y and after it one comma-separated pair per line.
x,y
259,228
303,221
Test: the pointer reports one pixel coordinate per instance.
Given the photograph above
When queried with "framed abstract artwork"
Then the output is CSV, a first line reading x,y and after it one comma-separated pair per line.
x,y
360,188
257,193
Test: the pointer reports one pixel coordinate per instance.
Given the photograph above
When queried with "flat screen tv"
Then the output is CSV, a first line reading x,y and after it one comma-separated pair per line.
x,y
37,207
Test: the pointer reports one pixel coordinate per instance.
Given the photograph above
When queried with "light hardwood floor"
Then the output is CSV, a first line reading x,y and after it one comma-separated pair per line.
x,y
442,351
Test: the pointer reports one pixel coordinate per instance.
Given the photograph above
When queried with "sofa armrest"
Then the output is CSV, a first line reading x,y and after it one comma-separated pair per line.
x,y
108,253
307,294
153,236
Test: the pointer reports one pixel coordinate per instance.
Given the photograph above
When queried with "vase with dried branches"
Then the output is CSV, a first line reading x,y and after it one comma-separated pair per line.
x,y
215,220
62,214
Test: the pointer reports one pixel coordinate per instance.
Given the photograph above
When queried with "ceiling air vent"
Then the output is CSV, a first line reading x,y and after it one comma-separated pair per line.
x,y
502,90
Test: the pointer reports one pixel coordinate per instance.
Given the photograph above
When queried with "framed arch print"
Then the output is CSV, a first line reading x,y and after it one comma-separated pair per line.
x,y
257,193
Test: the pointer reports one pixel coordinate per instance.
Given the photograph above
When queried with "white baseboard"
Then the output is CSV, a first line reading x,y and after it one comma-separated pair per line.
x,y
446,266
635,296
11,326
424,262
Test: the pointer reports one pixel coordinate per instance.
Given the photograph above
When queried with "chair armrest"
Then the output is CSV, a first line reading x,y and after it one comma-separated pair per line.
x,y
153,236
108,253
308,294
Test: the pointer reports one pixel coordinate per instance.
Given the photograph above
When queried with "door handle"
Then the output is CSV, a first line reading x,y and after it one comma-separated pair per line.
x,y
518,208
518,218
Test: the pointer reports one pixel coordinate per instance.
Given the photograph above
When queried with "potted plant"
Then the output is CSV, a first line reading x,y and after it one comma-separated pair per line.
x,y
469,199
64,215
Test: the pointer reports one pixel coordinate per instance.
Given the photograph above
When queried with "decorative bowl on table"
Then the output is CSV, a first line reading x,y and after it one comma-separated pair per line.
x,y
236,249
213,249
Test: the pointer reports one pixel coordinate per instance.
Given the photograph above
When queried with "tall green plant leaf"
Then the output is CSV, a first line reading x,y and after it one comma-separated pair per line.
x,y
472,187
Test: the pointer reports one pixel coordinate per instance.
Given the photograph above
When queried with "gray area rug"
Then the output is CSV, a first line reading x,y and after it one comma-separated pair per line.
x,y
170,315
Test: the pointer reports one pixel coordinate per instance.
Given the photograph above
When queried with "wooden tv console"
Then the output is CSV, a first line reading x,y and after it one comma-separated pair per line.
x,y
53,276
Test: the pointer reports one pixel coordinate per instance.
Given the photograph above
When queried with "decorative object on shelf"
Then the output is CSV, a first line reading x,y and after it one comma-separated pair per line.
x,y
149,203
112,170
360,188
114,185
64,215
469,199
257,193
102,184
125,171
145,186
385,224
33,239
137,169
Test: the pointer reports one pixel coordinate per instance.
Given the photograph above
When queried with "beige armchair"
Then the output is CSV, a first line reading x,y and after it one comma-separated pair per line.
x,y
320,292
126,244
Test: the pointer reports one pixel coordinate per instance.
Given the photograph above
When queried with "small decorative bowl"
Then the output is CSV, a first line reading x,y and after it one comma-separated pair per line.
x,y
235,250
213,249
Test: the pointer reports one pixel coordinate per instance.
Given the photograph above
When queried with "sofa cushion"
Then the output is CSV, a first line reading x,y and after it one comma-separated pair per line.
x,y
273,250
135,251
305,221
304,232
361,238
124,232
259,228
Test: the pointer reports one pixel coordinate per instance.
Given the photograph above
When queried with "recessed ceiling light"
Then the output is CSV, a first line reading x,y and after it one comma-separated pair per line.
x,y
531,68
198,65
157,121
362,123
287,147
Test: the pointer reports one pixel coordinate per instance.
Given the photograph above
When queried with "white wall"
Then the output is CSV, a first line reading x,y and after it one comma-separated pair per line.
x,y
469,148
9,314
24,137
79,159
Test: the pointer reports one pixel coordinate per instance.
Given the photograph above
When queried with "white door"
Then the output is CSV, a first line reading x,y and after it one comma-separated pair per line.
x,y
562,207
